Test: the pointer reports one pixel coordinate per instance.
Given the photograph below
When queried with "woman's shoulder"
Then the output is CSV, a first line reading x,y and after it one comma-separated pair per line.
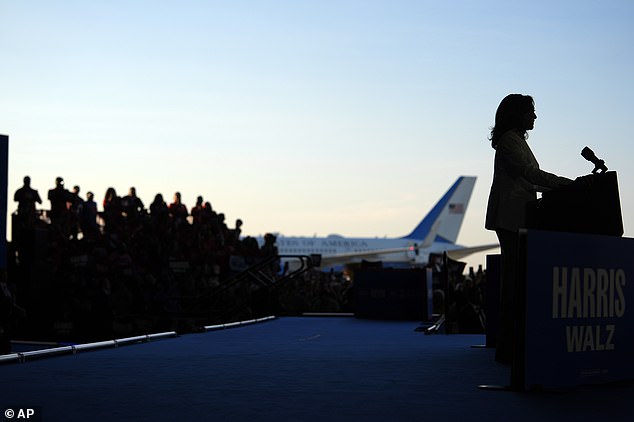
x,y
511,139
512,134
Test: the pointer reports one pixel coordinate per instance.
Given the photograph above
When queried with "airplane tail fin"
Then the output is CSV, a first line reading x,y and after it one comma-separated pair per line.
x,y
447,215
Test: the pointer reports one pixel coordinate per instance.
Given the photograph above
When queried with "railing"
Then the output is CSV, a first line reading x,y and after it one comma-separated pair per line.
x,y
251,293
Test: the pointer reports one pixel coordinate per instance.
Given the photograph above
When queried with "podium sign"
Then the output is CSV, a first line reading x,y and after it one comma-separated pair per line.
x,y
579,327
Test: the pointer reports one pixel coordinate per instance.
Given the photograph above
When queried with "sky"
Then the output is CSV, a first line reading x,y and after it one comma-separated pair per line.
x,y
310,117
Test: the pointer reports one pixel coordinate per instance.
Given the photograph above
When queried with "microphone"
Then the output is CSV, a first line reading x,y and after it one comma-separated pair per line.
x,y
599,165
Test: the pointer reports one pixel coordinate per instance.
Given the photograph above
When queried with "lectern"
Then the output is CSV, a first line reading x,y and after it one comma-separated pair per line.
x,y
590,205
573,327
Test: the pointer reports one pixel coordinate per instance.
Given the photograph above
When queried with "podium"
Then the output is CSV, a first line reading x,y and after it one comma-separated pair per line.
x,y
572,323
590,205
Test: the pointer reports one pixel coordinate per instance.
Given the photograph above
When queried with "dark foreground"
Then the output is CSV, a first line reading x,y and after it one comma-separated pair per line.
x,y
295,368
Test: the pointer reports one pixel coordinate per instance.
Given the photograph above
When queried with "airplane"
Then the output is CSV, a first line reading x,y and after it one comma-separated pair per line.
x,y
435,234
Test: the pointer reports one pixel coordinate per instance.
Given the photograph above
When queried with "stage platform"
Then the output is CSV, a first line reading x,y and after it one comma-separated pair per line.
x,y
295,369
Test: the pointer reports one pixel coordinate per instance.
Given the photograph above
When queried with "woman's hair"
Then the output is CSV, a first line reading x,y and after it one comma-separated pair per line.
x,y
510,115
111,194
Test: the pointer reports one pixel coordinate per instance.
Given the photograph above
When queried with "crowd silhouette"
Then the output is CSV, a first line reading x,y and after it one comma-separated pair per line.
x,y
88,272
85,272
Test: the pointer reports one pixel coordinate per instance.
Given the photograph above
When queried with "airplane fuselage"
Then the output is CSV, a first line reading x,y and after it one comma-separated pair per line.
x,y
407,251
330,245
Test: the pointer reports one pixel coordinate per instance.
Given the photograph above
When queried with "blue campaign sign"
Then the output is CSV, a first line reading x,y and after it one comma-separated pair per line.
x,y
578,326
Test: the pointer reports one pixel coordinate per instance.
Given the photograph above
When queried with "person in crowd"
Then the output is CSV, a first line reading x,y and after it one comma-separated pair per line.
x,y
27,197
75,211
132,206
109,198
178,210
209,216
197,211
60,200
112,210
159,212
88,217
516,180
234,234
158,205
269,248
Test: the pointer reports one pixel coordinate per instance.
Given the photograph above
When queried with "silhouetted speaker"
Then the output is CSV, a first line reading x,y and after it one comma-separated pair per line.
x,y
591,204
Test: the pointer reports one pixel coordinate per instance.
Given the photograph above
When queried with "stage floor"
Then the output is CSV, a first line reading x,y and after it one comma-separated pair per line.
x,y
295,368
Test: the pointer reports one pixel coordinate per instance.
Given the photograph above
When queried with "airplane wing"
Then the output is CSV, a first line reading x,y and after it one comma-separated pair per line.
x,y
458,254
455,254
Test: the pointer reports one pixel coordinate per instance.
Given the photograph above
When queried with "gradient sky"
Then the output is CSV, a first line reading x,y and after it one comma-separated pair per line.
x,y
310,117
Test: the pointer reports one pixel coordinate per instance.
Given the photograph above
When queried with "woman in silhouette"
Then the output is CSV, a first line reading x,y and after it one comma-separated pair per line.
x,y
516,180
